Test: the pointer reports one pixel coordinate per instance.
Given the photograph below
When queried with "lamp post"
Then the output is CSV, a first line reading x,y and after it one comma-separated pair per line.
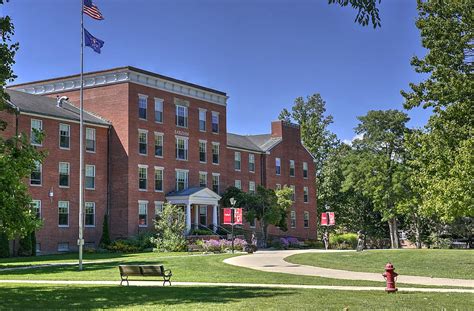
x,y
232,203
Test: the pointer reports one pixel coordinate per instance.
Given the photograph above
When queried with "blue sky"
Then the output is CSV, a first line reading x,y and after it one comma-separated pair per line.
x,y
263,53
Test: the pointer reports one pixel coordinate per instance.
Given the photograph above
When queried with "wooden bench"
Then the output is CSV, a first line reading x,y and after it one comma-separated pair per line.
x,y
142,270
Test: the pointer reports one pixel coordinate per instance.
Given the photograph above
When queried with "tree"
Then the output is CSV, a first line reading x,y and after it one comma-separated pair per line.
x,y
367,10
105,238
444,156
169,229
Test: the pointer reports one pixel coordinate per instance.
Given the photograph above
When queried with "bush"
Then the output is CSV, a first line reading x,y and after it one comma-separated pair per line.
x,y
314,244
105,238
169,229
222,245
123,246
201,232
343,241
25,246
4,246
286,243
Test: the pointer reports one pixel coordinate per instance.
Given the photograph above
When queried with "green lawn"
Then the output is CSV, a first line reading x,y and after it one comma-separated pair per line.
x,y
422,262
22,296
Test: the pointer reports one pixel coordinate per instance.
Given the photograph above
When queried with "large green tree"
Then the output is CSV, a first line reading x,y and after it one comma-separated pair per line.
x,y
367,11
444,150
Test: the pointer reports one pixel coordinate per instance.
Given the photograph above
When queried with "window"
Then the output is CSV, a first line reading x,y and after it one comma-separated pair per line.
x,y
158,208
277,166
63,211
293,219
251,187
142,177
237,161
36,129
142,141
64,135
202,179
142,213
158,179
202,151
238,184
181,148
305,194
215,153
292,168
215,182
278,186
251,162
63,247
90,139
90,214
90,177
181,179
158,110
63,174
203,215
36,208
305,170
181,116
35,177
202,120
306,219
158,144
293,193
142,106
215,122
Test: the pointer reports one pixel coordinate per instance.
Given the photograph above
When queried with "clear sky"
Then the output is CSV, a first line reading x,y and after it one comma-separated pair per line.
x,y
262,53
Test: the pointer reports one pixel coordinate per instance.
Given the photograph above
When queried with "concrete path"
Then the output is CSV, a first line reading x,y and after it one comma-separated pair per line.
x,y
273,261
247,285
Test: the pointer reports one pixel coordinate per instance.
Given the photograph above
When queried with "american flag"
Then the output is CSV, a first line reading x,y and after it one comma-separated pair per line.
x,y
92,10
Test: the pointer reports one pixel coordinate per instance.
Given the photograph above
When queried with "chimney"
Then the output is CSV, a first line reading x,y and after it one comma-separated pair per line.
x,y
60,100
286,130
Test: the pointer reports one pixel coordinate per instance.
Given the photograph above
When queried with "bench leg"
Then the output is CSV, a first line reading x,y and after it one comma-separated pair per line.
x,y
165,279
124,279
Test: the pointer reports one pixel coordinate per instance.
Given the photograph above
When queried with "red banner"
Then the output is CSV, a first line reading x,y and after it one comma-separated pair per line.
x,y
238,216
324,219
227,216
332,219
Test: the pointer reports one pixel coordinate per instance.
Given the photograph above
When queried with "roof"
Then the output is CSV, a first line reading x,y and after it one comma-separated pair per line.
x,y
258,143
185,192
47,106
193,195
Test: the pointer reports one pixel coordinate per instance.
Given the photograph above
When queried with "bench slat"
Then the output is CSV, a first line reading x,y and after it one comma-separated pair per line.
x,y
152,270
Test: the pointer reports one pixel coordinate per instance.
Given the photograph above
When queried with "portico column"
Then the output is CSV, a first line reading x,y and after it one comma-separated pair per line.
x,y
214,218
196,216
188,218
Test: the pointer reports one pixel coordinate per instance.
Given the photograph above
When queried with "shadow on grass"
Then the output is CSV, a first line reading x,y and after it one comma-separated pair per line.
x,y
51,297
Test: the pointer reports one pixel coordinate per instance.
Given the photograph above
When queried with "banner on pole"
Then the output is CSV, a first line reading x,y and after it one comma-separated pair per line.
x,y
227,216
324,219
237,216
332,218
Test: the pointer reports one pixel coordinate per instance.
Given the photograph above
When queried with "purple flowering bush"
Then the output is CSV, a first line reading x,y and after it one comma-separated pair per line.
x,y
222,245
285,243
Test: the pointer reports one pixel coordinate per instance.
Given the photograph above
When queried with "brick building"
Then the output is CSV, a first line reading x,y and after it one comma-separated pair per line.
x,y
159,139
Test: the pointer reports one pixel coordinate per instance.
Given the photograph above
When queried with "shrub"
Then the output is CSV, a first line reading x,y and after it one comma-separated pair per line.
x,y
105,238
343,241
314,244
25,246
239,244
293,242
201,232
169,229
123,246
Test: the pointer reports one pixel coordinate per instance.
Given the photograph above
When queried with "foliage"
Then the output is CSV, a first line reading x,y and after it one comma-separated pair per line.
x,y
343,241
222,245
169,230
201,232
286,243
367,10
4,246
105,238
123,246
25,247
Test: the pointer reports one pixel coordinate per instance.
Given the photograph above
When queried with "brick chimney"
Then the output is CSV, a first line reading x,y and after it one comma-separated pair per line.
x,y
286,130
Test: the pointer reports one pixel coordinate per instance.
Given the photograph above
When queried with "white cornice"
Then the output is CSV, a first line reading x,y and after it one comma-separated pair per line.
x,y
120,76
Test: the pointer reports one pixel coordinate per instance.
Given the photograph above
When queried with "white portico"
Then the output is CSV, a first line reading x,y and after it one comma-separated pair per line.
x,y
196,196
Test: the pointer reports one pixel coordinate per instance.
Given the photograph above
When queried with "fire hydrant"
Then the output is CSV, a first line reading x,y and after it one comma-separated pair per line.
x,y
390,276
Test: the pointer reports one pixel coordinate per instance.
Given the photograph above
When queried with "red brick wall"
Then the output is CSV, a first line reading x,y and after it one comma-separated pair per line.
x,y
244,175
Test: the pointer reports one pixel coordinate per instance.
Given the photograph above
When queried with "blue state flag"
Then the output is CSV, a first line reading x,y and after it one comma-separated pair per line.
x,y
93,42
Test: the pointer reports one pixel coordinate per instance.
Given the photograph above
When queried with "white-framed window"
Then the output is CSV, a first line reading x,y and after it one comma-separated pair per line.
x,y
305,170
63,247
142,177
215,182
182,148
181,179
215,122
251,162
278,187
181,116
293,219
142,106
159,138
292,168
90,139
90,177
36,128
251,187
238,184
202,151
158,208
202,119
36,208
63,213
237,161
64,136
158,110
90,214
305,194
203,215
142,142
306,219
142,213
293,193
202,179
159,179
277,166
63,174
36,174
215,153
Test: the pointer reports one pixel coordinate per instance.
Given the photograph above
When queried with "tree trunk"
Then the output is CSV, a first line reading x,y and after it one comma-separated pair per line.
x,y
417,231
392,224
264,233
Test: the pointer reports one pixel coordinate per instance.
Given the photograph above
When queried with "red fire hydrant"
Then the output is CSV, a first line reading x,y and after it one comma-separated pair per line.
x,y
390,276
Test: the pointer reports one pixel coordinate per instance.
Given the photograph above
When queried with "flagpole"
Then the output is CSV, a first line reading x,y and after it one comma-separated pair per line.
x,y
80,241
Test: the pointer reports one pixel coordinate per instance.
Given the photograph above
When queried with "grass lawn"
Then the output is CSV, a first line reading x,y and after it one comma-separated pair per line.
x,y
423,262
22,296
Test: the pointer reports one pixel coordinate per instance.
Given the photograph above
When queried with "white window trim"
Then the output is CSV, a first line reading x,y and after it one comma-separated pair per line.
x,y
279,160
85,176
186,181
156,99
306,191
186,109
41,180
186,147
146,109
218,153
162,169
68,214
202,141
218,122
240,183
254,165
205,119
254,186
59,136
146,210
68,174
304,215
142,131
294,169
162,206
40,212
307,170
292,213
205,174
31,131
146,168
240,160
85,214
162,143
95,139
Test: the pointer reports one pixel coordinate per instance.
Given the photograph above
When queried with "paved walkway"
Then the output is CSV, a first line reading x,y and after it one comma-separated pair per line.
x,y
273,261
251,285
